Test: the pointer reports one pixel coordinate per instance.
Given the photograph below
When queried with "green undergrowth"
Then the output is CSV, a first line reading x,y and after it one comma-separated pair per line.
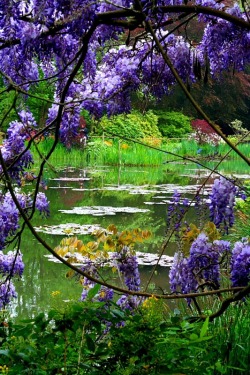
x,y
91,338
108,151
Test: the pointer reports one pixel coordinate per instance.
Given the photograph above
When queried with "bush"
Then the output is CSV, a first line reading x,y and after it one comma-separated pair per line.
x,y
134,125
93,338
204,133
173,124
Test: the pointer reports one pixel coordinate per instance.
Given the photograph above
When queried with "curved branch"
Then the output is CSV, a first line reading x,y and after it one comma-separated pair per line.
x,y
198,9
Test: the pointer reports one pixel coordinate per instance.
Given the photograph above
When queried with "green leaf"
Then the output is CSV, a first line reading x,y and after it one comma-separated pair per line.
x,y
23,356
204,327
5,352
118,314
90,343
93,291
193,337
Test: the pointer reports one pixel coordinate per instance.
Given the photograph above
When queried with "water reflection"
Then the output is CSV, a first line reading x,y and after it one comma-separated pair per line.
x,y
115,187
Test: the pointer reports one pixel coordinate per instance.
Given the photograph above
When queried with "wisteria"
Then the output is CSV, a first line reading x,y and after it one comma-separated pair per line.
x,y
7,293
127,266
176,212
48,37
240,263
222,201
11,263
201,268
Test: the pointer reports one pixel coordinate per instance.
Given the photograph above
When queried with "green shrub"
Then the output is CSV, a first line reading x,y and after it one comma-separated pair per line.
x,y
134,125
173,124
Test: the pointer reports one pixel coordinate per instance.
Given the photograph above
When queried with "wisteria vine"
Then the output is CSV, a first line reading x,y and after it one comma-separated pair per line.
x,y
79,48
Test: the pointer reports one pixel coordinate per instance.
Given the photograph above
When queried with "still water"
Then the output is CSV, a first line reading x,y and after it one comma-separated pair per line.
x,y
127,197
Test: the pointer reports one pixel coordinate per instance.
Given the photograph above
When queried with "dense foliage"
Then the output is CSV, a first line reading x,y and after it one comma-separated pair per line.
x,y
85,56
134,125
173,124
152,341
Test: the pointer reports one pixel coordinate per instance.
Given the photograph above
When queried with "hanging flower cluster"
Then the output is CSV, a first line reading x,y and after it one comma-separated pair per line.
x,y
201,268
222,201
11,265
240,263
127,266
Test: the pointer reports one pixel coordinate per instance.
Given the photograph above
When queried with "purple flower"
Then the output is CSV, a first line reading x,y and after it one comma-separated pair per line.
x,y
240,264
42,204
201,267
222,201
105,294
7,293
11,263
126,302
128,266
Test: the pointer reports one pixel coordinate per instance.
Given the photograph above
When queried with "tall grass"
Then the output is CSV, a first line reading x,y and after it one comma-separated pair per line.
x,y
231,333
117,152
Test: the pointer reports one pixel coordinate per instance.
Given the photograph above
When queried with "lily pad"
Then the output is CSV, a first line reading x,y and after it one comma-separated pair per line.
x,y
143,259
69,229
103,210
74,179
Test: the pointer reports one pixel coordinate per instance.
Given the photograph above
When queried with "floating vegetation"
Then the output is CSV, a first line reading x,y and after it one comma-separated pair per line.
x,y
74,179
103,210
153,189
70,229
143,259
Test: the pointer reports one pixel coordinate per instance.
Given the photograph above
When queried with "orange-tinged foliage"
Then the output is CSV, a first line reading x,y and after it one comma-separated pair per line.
x,y
107,240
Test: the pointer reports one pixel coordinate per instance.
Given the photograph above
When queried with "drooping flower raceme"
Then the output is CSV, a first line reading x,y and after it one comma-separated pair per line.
x,y
176,211
222,201
11,263
200,268
240,263
128,266
7,293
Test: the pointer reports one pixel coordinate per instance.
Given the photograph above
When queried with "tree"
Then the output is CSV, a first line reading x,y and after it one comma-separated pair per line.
x,y
78,48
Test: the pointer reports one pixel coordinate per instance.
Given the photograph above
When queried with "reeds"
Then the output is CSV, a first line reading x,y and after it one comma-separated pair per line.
x,y
107,151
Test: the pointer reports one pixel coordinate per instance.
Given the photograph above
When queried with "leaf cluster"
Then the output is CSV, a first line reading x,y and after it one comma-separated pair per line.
x,y
106,240
135,125
173,124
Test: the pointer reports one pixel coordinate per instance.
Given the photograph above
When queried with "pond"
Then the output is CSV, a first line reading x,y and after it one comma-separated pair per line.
x,y
80,198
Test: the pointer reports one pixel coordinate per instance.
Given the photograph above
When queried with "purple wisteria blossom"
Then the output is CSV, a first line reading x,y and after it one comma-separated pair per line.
x,y
200,268
128,266
11,263
222,201
42,204
7,293
9,218
126,302
105,294
90,268
176,211
240,263
18,132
